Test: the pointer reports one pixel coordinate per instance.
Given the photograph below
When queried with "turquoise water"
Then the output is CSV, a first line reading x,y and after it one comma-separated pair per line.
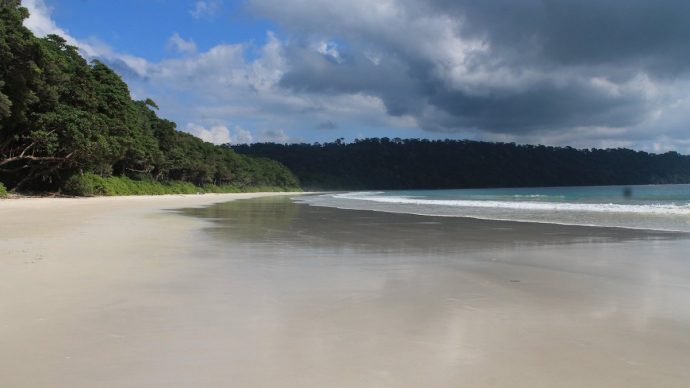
x,y
658,207
678,195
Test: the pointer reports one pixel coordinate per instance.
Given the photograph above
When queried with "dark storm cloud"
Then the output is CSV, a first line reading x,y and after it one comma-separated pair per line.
x,y
495,65
640,33
540,107
312,72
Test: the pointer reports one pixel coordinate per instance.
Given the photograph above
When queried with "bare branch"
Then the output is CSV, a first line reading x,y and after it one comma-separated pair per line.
x,y
36,158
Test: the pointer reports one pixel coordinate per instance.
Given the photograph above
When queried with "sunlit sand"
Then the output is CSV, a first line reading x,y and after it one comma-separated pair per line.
x,y
124,292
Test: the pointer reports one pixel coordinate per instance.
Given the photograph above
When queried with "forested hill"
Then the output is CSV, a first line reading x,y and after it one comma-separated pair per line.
x,y
418,164
62,117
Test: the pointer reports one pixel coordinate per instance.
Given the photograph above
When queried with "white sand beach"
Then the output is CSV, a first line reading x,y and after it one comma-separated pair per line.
x,y
121,292
87,285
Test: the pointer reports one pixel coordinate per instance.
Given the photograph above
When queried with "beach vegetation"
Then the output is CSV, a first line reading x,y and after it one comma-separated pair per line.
x,y
90,184
3,191
66,123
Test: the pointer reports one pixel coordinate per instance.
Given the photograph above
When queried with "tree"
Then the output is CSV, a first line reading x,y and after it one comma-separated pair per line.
x,y
445,164
61,116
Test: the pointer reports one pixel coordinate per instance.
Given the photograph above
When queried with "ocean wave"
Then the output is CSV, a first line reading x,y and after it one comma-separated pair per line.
x,y
667,209
356,194
538,196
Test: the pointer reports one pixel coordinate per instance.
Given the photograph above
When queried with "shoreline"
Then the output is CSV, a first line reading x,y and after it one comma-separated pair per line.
x,y
556,224
652,216
22,197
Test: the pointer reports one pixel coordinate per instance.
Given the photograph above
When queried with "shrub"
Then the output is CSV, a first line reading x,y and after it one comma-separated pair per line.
x,y
89,185
3,191
86,185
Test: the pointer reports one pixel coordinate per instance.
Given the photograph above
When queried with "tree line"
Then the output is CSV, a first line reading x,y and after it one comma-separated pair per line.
x,y
382,163
61,116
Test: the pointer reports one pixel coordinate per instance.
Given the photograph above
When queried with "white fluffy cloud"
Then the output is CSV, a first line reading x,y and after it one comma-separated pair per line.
x,y
274,136
220,134
217,134
181,45
242,136
204,8
225,86
40,22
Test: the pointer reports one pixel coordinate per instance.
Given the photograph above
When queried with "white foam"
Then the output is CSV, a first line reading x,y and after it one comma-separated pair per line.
x,y
668,209
537,196
356,194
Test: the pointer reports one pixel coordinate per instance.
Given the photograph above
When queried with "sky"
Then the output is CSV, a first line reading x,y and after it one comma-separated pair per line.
x,y
580,73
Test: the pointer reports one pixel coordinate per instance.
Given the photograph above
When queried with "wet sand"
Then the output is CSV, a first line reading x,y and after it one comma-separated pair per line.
x,y
270,293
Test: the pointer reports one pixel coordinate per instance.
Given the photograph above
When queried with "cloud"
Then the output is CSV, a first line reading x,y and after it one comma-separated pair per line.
x,y
40,21
204,8
242,136
528,68
638,34
181,45
220,134
274,136
328,49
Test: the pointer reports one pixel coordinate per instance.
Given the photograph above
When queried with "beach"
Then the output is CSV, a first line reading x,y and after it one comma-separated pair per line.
x,y
180,291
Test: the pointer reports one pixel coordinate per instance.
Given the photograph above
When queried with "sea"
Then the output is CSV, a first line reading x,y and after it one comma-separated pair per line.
x,y
654,207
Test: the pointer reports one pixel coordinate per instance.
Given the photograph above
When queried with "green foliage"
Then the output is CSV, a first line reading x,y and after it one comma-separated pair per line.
x,y
61,116
3,191
88,185
5,103
444,164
